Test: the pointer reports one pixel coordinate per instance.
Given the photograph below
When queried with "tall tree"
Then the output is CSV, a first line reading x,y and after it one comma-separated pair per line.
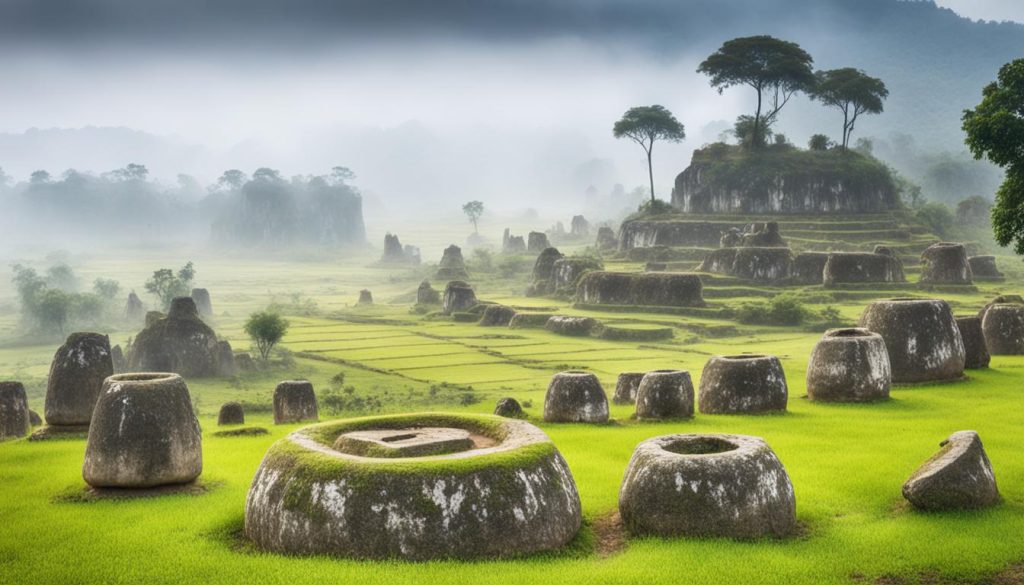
x,y
645,125
995,130
776,69
473,210
853,92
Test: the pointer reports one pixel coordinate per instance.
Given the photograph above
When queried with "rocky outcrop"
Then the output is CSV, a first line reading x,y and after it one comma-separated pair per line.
x,y
763,264
606,239
762,235
809,267
849,365
543,270
426,294
537,242
861,267
395,253
921,338
945,263
452,265
720,261
204,305
984,268
509,408
643,233
659,289
134,310
76,378
179,343
512,244
497,316
958,477
579,227
567,271
572,326
575,397
458,296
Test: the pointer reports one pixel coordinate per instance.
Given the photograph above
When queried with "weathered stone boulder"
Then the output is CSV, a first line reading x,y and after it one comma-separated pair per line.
x,y
452,265
537,242
606,239
958,477
143,434
626,387
579,227
945,263
976,354
34,418
396,253
707,485
763,235
365,297
458,296
720,261
1003,327
809,267
245,363
984,267
201,297
412,254
427,295
513,244
731,238
530,320
295,401
118,360
226,365
849,365
665,394
921,337
859,267
134,310
572,326
509,408
153,317
1001,300
543,268
763,264
15,420
231,413
575,397
497,316
658,289
743,384
507,493
567,271
76,378
179,343
645,233
885,250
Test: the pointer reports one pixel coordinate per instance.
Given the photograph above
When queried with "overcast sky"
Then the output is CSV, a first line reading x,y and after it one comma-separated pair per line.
x,y
987,9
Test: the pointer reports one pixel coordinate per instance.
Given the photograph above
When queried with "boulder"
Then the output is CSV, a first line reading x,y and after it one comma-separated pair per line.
x,y
365,297
626,387
976,354
513,244
921,337
244,362
984,267
665,394
1003,327
809,267
76,378
958,477
412,254
575,397
659,289
707,485
452,265
537,242
34,418
543,268
179,343
731,238
15,418
118,360
885,250
153,317
580,227
204,305
509,408
505,493
743,384
849,365
134,310
529,320
606,239
945,263
396,253
1001,300
720,261
144,434
763,264
566,272
226,365
231,413
763,235
645,233
859,267
458,296
497,316
427,295
294,401
573,326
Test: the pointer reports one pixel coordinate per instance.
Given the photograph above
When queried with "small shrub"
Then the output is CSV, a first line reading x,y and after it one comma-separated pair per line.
x,y
781,310
655,207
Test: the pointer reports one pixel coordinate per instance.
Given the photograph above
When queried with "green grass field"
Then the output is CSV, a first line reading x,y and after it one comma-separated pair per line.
x,y
847,462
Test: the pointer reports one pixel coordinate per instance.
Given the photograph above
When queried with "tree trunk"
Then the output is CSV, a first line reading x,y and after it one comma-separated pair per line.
x,y
757,121
650,171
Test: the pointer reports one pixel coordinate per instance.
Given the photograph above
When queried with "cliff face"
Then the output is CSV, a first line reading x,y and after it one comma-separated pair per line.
x,y
724,179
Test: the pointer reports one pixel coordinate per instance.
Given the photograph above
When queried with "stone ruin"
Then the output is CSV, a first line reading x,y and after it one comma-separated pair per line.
x,y
743,384
179,343
660,289
452,266
231,413
512,494
134,310
976,355
580,227
763,264
921,337
395,253
665,394
731,238
575,397
118,360
849,365
509,408
530,320
512,244
1003,328
76,378
809,267
144,434
762,235
204,305
571,326
958,477
566,273
427,295
626,387
707,485
945,263
606,239
227,364
15,421
862,267
497,316
458,296
543,271
984,268
34,418
295,401
537,242
365,297
720,261
153,317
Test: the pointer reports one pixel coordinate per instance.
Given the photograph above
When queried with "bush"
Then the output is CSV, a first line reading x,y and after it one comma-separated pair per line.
x,y
655,207
819,142
938,217
781,310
